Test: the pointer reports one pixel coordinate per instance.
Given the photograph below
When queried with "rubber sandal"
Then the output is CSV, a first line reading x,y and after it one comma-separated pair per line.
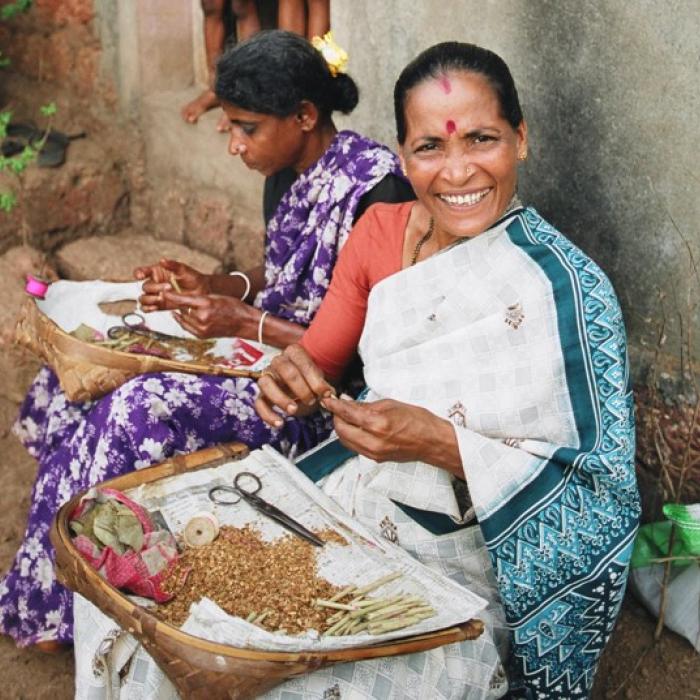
x,y
53,151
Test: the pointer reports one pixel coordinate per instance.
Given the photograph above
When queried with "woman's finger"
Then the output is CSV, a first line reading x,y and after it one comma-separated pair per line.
x,y
184,301
311,373
191,324
272,392
152,300
350,412
143,272
266,412
295,381
357,439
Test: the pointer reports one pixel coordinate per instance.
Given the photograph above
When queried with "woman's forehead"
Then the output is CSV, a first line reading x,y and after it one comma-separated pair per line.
x,y
453,96
239,114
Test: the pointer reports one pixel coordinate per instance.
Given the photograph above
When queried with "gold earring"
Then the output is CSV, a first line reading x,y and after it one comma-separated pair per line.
x,y
522,155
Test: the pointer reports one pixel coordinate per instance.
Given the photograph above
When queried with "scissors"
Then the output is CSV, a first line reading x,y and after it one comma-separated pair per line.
x,y
249,495
134,322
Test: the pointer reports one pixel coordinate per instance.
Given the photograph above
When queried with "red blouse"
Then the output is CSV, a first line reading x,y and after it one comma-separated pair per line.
x,y
372,252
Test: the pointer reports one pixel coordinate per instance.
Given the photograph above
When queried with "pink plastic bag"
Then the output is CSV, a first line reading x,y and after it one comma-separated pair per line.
x,y
139,572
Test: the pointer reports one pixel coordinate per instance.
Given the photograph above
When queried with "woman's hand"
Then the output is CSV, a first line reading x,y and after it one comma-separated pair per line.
x,y
391,431
213,315
292,385
166,276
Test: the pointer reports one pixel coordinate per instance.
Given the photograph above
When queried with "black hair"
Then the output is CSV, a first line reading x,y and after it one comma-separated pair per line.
x,y
456,56
274,70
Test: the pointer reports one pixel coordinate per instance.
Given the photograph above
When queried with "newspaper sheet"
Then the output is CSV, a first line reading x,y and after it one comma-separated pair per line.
x,y
69,304
366,558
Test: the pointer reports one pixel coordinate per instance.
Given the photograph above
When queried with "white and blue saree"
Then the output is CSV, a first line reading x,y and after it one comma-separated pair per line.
x,y
516,336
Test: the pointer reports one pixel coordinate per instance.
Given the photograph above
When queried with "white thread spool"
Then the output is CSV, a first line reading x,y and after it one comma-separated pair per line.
x,y
201,529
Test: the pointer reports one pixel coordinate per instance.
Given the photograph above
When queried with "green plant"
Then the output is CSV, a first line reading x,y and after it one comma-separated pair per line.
x,y
18,163
12,9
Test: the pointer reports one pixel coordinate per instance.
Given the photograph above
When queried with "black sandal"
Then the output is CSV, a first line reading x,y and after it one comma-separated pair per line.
x,y
53,151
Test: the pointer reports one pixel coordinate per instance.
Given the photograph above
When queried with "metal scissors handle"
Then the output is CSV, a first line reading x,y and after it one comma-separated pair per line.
x,y
134,322
249,494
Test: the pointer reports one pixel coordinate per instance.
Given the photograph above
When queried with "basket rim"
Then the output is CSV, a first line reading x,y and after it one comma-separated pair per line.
x,y
118,359
204,459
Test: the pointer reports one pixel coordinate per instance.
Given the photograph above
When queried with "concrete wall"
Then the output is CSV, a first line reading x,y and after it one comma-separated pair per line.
x,y
200,195
611,93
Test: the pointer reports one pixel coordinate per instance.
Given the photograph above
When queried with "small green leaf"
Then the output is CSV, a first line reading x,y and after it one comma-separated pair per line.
x,y
7,201
4,121
12,9
49,110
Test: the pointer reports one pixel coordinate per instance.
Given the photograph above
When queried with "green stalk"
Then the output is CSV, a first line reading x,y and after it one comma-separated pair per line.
x,y
394,624
379,582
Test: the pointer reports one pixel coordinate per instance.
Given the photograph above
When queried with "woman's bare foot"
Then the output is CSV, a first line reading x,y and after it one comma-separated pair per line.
x,y
192,111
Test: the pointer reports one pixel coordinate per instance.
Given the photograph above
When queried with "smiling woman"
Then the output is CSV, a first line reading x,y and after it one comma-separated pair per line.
x,y
496,440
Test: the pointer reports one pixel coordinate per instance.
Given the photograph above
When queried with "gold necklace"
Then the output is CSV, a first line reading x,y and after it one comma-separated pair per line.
x,y
423,239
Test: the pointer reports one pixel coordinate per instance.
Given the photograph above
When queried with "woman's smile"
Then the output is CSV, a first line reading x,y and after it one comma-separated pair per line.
x,y
464,200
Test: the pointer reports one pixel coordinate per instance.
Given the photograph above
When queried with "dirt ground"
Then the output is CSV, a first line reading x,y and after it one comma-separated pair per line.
x,y
632,667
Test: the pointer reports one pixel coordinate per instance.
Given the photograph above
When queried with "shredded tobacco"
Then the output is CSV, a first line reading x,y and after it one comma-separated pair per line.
x,y
247,576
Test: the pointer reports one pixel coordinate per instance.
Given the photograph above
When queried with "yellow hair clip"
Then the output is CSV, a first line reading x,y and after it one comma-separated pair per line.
x,y
335,57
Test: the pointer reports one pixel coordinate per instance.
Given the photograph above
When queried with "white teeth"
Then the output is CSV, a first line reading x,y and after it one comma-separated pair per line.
x,y
467,199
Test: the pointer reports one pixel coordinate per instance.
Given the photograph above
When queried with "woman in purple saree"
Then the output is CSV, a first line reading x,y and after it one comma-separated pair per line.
x,y
279,94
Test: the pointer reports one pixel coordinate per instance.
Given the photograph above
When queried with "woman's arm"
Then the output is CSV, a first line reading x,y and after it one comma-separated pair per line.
x,y
218,316
372,252
383,430
235,286
391,431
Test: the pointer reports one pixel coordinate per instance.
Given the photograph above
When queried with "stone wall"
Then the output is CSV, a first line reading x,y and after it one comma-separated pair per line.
x,y
200,195
55,54
57,44
610,92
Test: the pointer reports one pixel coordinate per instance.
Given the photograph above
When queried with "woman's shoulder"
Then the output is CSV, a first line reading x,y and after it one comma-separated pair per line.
x,y
557,254
376,240
392,188
384,222
389,214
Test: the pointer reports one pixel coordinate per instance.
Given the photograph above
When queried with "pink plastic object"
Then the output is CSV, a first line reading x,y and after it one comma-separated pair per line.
x,y
36,287
140,572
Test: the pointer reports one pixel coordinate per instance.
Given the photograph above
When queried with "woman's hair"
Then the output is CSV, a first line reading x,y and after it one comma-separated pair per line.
x,y
455,56
273,71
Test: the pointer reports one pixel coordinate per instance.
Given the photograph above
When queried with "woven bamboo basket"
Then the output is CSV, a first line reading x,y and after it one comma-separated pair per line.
x,y
87,371
202,670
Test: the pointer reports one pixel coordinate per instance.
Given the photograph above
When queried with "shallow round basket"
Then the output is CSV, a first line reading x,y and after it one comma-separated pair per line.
x,y
87,371
200,669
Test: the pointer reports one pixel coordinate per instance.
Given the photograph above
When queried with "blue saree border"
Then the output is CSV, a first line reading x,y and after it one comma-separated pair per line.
x,y
579,376
560,546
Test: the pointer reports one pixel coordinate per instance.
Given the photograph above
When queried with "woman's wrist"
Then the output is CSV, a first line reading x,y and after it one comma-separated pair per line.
x,y
230,285
206,282
442,448
272,330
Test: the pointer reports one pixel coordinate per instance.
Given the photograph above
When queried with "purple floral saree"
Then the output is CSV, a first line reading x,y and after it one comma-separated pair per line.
x,y
154,416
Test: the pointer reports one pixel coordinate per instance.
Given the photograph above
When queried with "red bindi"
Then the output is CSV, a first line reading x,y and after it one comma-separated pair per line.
x,y
445,84
450,126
